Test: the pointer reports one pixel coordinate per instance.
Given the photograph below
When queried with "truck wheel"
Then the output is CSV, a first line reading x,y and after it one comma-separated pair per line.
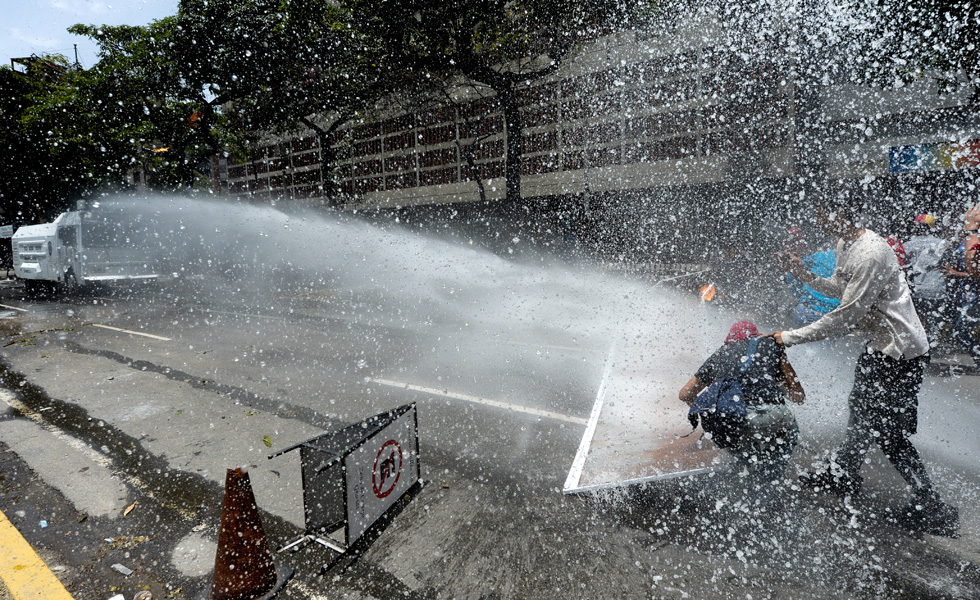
x,y
33,288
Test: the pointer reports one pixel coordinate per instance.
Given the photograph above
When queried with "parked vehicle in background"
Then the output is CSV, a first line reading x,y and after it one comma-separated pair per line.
x,y
82,247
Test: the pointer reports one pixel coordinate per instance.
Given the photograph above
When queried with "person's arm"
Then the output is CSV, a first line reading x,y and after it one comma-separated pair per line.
x,y
691,389
791,382
973,256
867,281
828,286
794,265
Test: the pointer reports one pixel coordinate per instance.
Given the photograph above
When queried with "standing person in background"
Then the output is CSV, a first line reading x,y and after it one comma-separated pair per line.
x,y
971,224
812,304
925,252
883,403
963,285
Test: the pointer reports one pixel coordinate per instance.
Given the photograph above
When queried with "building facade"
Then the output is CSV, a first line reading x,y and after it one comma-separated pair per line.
x,y
642,127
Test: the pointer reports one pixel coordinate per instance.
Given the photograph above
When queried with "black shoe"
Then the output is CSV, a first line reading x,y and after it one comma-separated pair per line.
x,y
928,514
831,480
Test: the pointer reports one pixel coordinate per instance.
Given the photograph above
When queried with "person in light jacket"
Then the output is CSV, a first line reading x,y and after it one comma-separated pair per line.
x,y
883,403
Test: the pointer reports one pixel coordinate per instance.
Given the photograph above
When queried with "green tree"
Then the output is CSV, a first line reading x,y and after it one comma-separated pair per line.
x,y
147,112
286,65
42,172
500,44
281,65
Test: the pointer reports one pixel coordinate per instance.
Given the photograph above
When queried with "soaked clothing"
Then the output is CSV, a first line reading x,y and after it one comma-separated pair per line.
x,y
812,304
966,298
760,383
766,443
884,409
874,297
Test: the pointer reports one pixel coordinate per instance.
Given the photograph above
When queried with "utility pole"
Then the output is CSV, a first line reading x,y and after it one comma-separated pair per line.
x,y
78,66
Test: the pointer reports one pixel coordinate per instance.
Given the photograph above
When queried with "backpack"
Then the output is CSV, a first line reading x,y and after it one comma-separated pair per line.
x,y
720,407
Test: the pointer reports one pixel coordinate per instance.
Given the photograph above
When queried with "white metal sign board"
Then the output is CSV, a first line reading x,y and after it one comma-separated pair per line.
x,y
380,471
6,231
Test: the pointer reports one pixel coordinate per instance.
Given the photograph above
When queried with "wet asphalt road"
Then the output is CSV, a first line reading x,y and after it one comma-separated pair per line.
x,y
125,409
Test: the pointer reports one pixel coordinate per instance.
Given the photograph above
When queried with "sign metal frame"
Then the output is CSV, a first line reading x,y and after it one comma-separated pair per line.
x,y
333,467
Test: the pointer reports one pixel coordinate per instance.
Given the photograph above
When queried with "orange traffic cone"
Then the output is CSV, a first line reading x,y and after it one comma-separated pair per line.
x,y
243,567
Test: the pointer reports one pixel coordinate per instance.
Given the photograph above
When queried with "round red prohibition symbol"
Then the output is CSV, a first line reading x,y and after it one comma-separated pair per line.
x,y
387,468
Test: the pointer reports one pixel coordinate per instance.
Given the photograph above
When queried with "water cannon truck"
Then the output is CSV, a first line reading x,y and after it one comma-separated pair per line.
x,y
82,247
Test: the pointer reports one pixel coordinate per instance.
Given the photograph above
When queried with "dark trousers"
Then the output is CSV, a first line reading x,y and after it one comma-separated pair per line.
x,y
966,322
884,409
931,312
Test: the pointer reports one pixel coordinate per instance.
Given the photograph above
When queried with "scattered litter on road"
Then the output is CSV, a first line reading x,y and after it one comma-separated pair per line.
x,y
118,597
144,595
21,514
43,524
122,569
130,508
110,540
200,527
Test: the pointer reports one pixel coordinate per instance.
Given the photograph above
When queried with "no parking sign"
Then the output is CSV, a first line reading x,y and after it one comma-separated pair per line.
x,y
353,475
380,471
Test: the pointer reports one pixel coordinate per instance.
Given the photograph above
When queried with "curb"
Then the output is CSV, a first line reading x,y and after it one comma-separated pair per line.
x,y
22,570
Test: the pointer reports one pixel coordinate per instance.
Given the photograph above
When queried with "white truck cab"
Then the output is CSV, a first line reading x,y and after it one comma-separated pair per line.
x,y
80,247
33,252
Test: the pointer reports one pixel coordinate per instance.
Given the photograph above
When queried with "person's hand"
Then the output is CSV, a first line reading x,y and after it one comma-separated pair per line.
x,y
793,264
778,336
784,259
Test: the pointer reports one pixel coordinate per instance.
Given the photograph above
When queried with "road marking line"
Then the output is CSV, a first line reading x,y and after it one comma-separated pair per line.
x,y
92,454
129,331
22,570
14,308
236,314
575,473
545,346
478,400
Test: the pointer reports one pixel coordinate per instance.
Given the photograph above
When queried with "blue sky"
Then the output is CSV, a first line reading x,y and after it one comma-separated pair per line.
x,y
39,26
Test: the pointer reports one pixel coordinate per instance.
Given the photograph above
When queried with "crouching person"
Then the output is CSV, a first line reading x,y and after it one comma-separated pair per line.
x,y
739,396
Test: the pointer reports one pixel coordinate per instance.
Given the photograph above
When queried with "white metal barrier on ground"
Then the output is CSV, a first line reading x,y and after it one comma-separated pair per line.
x,y
354,475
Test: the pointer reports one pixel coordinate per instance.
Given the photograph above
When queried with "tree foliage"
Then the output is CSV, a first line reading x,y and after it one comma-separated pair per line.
x,y
496,43
282,65
155,105
57,145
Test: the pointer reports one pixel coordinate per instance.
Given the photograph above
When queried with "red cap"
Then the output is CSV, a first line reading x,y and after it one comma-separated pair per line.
x,y
741,331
